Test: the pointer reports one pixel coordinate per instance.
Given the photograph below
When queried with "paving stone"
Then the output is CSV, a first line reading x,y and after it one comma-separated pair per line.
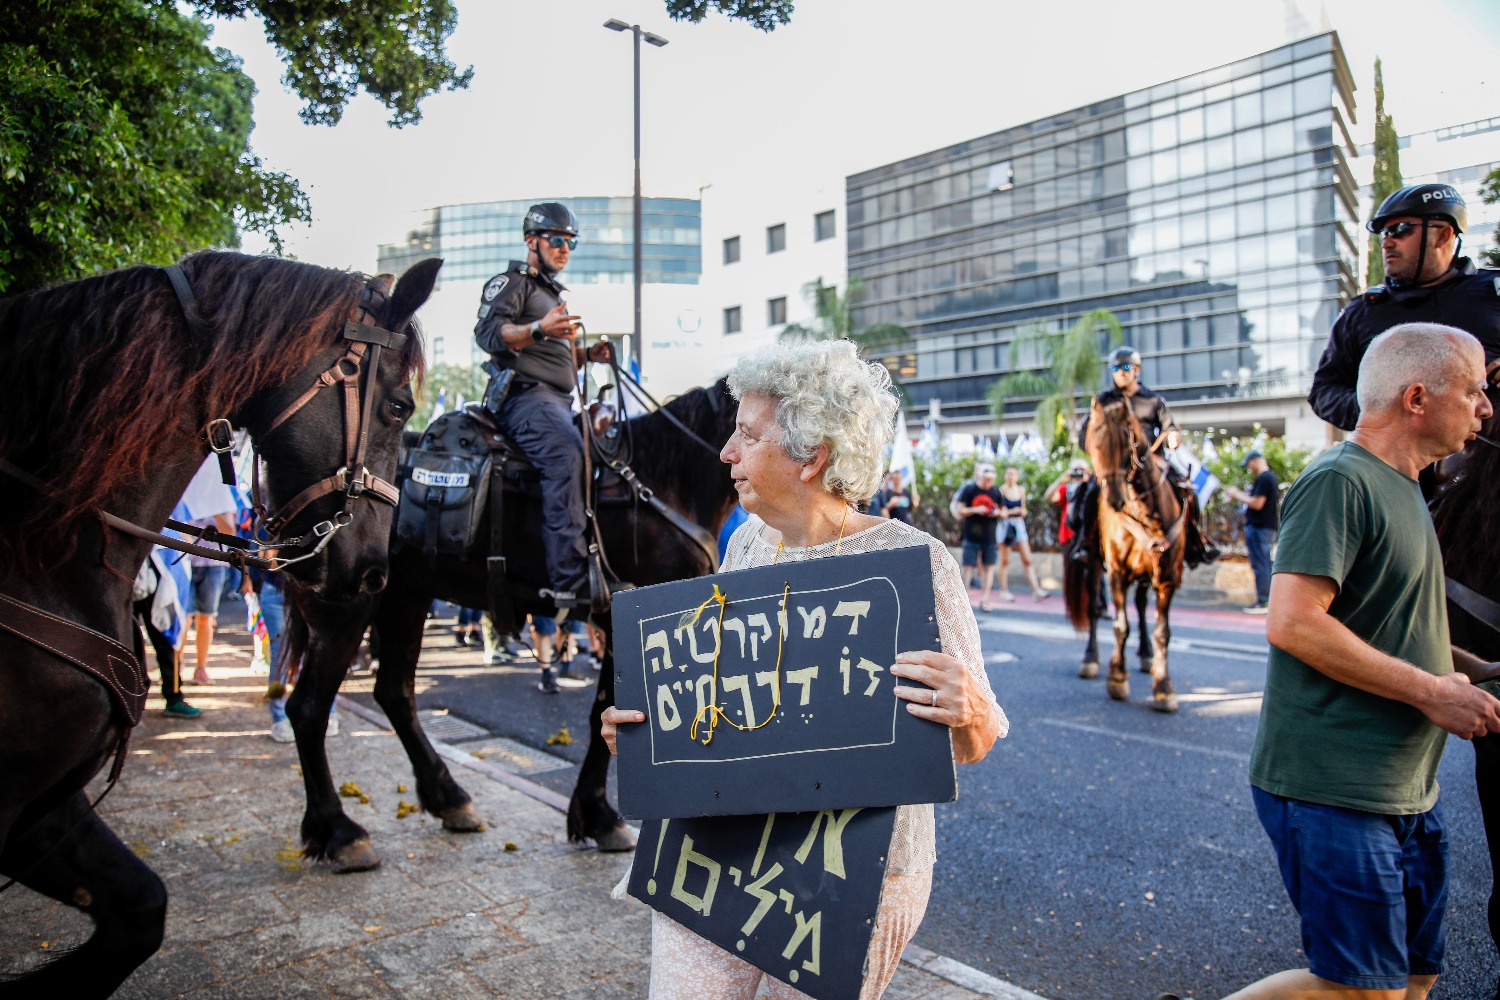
x,y
407,959
281,944
547,970
171,971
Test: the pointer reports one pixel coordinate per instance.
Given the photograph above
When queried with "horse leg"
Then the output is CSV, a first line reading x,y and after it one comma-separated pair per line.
x,y
1089,669
327,831
73,857
590,816
1144,652
1118,684
399,624
1163,697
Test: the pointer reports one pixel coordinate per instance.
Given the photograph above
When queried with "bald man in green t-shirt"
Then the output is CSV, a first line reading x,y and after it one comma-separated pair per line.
x,y
1363,686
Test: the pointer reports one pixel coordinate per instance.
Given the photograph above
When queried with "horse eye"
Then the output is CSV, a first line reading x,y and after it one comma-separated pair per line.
x,y
398,409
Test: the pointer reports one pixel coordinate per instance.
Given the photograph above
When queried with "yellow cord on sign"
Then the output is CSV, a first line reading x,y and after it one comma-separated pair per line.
x,y
715,713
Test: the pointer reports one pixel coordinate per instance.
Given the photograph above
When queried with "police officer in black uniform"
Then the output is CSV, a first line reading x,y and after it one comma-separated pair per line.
x,y
531,337
1420,229
1155,419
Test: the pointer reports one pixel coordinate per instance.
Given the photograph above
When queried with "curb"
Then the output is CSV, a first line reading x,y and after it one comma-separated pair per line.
x,y
944,968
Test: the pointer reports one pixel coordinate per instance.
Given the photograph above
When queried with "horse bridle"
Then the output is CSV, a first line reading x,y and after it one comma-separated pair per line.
x,y
354,480
1136,436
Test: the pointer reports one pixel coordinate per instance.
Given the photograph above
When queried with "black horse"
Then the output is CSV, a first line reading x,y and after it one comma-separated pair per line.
x,y
108,388
1468,530
642,547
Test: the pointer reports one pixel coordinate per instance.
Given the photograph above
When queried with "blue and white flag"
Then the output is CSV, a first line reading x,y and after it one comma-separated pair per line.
x,y
1204,482
1002,446
902,460
441,406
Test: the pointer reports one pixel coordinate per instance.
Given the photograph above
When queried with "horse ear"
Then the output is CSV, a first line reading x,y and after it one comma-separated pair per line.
x,y
411,291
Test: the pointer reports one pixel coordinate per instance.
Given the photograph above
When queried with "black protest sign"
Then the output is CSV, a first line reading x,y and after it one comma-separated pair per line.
x,y
779,698
793,894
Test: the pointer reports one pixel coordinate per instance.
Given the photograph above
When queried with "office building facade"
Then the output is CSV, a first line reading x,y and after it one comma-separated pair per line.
x,y
1215,215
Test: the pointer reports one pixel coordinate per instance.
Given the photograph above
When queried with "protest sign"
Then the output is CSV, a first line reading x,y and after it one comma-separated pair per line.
x,y
769,690
793,894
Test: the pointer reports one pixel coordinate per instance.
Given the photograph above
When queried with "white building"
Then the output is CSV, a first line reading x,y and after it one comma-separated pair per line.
x,y
764,244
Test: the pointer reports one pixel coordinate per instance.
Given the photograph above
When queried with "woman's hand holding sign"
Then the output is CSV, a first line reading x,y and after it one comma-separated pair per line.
x,y
950,698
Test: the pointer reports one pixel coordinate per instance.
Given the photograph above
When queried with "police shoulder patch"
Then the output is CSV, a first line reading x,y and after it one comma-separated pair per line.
x,y
495,287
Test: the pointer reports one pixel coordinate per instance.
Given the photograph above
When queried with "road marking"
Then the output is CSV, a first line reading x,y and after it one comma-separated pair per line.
x,y
1155,741
1246,652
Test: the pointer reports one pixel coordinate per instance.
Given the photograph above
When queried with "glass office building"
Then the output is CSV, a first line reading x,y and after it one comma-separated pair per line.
x,y
478,240
1215,215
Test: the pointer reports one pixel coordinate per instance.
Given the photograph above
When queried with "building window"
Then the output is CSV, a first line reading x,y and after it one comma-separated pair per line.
x,y
828,299
439,348
823,226
775,311
732,319
1001,176
732,250
776,238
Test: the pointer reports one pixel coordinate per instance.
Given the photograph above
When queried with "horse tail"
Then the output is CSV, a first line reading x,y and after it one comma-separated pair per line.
x,y
1080,584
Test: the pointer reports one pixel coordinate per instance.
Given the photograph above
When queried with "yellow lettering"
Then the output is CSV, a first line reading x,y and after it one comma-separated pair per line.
x,y
854,611
703,903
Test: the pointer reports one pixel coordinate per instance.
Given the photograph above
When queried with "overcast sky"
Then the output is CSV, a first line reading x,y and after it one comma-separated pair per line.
x,y
849,84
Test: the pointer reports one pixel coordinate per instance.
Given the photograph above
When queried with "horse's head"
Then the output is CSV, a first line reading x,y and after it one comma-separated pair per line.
x,y
329,440
1113,434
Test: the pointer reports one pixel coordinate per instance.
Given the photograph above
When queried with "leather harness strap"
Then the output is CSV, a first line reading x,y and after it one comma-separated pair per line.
x,y
94,653
1479,607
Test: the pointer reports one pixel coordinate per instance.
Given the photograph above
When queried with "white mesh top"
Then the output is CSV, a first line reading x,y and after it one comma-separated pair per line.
x,y
913,844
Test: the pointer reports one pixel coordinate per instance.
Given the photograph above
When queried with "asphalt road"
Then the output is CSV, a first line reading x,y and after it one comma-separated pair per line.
x,y
1102,851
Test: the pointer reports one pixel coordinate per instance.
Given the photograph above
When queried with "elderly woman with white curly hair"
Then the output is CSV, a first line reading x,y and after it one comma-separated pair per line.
x,y
813,424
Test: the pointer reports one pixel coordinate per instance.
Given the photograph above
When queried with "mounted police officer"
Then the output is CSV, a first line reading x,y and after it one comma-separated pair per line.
x,y
1156,420
1421,229
532,340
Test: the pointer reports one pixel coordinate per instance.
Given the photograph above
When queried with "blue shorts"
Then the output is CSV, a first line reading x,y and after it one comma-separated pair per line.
x,y
208,586
548,626
1370,889
980,553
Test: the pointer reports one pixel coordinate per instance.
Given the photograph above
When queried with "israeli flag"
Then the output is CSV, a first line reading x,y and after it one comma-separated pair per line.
x,y
1002,446
901,454
441,406
1205,483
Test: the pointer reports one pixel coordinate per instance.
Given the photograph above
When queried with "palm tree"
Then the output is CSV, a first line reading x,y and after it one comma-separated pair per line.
x,y
1072,364
835,321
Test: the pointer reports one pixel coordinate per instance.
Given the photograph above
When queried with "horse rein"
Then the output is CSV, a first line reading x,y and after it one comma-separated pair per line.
x,y
353,479
1171,533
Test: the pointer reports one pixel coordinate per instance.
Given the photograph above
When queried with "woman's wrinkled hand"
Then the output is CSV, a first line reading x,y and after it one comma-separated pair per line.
x,y
612,719
950,697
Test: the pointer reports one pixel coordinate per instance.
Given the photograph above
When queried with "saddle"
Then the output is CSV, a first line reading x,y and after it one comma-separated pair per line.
x,y
461,468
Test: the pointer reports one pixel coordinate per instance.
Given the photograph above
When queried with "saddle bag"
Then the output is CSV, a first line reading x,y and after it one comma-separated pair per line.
x,y
445,484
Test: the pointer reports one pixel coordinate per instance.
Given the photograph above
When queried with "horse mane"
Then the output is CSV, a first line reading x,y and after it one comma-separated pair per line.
x,y
668,459
97,375
1464,515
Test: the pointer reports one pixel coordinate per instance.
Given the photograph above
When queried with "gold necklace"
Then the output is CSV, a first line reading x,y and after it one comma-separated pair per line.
x,y
781,545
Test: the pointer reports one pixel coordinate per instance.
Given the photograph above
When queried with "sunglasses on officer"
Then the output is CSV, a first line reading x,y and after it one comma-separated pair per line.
x,y
1401,230
558,242
1122,368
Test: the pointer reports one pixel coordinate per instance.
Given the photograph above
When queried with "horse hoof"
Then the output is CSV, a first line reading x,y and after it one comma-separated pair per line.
x,y
1165,703
1118,690
462,819
618,838
1088,671
359,856
1145,666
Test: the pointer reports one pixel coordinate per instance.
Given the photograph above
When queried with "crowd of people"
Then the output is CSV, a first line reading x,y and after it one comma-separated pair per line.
x,y
1363,684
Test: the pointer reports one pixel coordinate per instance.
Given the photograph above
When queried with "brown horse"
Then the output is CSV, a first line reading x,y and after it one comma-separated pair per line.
x,y
108,387
1140,536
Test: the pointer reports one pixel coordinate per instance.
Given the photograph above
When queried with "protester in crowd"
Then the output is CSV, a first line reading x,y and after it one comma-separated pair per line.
x,y
809,442
1012,535
554,654
155,604
895,499
978,506
209,503
1067,492
1260,525
1362,682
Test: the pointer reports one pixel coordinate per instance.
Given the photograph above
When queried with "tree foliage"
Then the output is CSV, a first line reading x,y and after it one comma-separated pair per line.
x,y
1071,365
453,382
1387,174
883,342
125,137
767,15
1491,194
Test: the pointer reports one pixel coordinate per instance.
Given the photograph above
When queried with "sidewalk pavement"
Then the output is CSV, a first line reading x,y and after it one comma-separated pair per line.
x,y
213,806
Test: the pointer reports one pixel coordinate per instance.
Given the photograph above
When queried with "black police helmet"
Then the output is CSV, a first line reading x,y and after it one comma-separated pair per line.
x,y
1425,201
1125,356
550,217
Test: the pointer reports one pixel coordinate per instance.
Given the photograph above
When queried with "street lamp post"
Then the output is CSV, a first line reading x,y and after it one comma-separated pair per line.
x,y
615,24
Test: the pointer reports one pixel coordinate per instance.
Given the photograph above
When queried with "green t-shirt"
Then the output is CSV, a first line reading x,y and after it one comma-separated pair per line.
x,y
1358,521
